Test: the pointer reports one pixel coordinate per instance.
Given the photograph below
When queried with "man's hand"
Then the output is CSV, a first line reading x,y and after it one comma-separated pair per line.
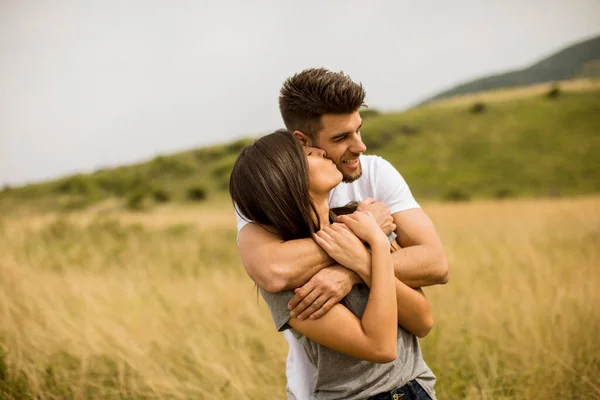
x,y
324,290
380,212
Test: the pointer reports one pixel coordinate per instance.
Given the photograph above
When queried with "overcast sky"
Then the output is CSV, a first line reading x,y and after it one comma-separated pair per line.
x,y
95,83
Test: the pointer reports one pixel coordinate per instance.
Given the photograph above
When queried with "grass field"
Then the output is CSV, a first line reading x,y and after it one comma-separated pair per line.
x,y
122,305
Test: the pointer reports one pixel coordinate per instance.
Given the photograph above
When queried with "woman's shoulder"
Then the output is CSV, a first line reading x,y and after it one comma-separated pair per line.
x,y
278,305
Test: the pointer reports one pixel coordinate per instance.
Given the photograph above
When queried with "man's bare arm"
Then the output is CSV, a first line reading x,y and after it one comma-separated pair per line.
x,y
276,265
422,260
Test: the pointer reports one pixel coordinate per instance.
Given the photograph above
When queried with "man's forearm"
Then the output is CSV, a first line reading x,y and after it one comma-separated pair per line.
x,y
296,261
276,265
421,265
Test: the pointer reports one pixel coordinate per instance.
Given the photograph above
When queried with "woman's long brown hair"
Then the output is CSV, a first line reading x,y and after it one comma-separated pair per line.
x,y
269,185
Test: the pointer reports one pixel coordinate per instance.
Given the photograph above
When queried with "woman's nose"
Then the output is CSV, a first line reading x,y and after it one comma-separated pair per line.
x,y
322,153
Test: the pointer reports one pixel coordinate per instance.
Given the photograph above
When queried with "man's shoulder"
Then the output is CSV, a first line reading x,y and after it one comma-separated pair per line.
x,y
372,164
371,168
371,159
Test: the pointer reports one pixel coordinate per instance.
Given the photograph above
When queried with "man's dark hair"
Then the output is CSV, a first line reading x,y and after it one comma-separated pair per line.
x,y
310,94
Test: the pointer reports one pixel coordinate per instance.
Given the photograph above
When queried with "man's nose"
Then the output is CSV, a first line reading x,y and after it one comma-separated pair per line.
x,y
357,145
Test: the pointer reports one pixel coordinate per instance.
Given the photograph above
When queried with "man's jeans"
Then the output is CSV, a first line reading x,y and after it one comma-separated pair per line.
x,y
411,391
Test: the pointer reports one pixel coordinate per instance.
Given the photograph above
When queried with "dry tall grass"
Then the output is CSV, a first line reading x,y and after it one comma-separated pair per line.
x,y
123,305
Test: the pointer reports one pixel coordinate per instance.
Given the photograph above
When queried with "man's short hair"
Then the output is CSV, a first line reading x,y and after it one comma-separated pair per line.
x,y
310,94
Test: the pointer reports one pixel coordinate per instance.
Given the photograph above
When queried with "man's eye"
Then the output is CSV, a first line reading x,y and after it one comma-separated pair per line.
x,y
310,153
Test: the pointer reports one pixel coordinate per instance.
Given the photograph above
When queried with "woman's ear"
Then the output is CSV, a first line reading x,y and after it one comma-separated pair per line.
x,y
306,140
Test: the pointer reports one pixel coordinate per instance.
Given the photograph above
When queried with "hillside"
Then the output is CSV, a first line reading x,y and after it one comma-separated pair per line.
x,y
579,60
511,146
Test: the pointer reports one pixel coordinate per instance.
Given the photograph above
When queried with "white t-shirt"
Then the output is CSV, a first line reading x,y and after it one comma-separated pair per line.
x,y
381,181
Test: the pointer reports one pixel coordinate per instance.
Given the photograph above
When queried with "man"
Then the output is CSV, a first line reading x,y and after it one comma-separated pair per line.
x,y
320,108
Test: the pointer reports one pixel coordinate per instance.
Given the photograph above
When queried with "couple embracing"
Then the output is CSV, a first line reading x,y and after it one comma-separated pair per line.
x,y
338,247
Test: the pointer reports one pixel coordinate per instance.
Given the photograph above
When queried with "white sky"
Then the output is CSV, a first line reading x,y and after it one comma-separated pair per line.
x,y
96,83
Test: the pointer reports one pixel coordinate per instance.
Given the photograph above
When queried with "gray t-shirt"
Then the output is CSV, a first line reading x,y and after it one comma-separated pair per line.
x,y
340,376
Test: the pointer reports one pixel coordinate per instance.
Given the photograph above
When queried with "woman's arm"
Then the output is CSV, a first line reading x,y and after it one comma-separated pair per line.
x,y
414,313
372,338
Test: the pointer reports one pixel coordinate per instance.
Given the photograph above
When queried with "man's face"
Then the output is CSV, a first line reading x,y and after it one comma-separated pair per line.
x,y
340,138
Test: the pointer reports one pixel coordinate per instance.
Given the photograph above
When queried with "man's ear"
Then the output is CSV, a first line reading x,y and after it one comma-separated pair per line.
x,y
306,140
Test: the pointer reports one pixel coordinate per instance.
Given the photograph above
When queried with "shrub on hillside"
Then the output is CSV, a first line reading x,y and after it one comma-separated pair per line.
x,y
384,137
478,108
136,201
160,195
77,185
78,203
504,193
373,142
120,182
554,92
196,193
222,170
369,113
238,145
209,154
457,195
409,130
170,166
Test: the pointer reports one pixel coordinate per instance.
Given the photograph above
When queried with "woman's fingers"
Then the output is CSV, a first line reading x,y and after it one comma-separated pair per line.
x,y
349,220
343,233
339,227
321,240
361,223
335,234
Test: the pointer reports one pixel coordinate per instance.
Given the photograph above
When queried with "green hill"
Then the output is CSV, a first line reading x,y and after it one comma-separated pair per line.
x,y
579,60
530,146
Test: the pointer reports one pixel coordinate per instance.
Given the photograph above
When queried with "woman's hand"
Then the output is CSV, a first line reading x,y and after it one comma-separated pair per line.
x,y
363,225
344,247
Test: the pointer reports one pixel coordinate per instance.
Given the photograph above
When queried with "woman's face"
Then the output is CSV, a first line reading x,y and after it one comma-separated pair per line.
x,y
323,174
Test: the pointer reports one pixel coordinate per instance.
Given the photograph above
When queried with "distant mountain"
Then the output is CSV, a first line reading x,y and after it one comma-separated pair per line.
x,y
579,60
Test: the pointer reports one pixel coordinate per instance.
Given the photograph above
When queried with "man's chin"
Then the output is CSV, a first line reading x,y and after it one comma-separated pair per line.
x,y
349,178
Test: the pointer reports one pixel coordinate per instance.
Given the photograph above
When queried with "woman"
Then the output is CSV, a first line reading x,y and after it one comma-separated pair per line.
x,y
357,348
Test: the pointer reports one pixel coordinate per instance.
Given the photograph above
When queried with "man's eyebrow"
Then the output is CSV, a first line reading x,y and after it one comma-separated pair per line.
x,y
341,135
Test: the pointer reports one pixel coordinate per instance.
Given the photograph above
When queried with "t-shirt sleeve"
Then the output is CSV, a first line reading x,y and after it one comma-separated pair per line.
x,y
242,221
277,303
392,189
